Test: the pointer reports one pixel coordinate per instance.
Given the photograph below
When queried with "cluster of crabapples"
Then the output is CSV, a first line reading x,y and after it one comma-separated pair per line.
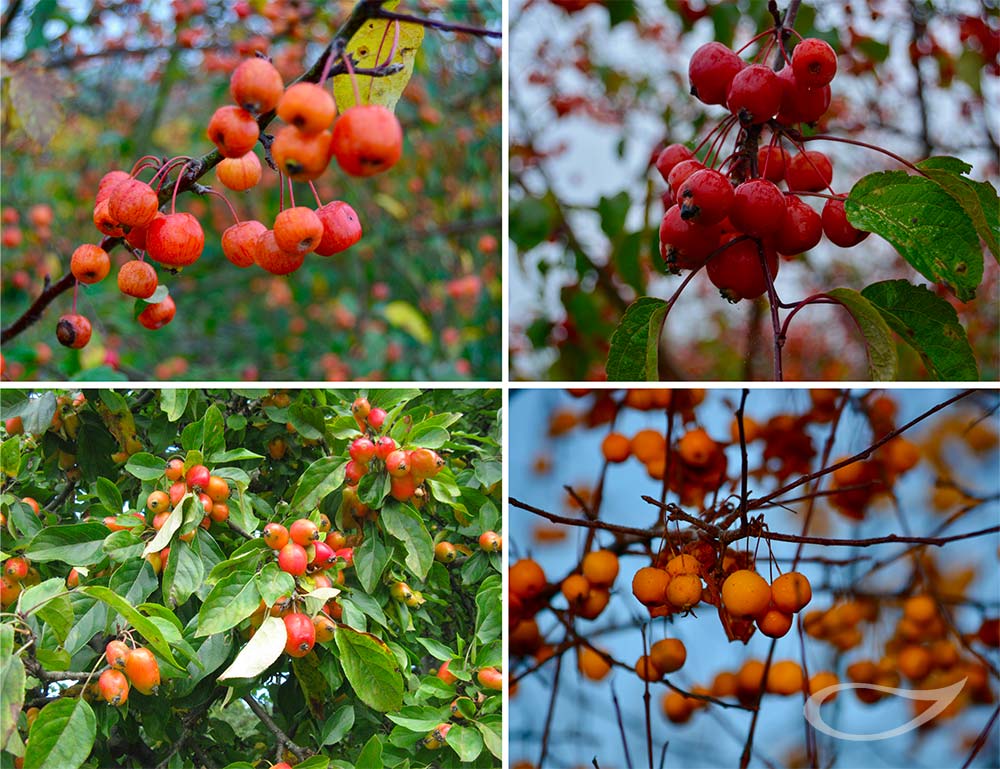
x,y
407,468
310,553
128,668
211,491
462,707
739,221
365,140
18,572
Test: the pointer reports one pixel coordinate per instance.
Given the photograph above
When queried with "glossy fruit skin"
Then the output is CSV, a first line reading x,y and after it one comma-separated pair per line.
x,y
73,331
791,592
301,634
275,535
684,591
800,104
176,240
362,450
354,471
143,671
323,555
303,532
705,197
197,477
649,586
680,173
836,227
256,85
384,447
774,623
814,62
745,593
108,182
490,542
668,655
445,552
90,263
402,488
217,488
308,107
233,131
808,171
324,627
158,315
600,567
446,675
113,686
137,279
341,230
133,203
175,470
802,228
490,678
398,463
298,230
376,417
367,140
771,163
685,245
239,174
271,257
736,270
670,157
239,242
105,222
292,558
755,94
426,463
16,568
157,502
711,71
177,491
301,156
117,654
758,208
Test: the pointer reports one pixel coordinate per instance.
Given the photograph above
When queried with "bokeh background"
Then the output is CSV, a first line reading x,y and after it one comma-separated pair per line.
x,y
962,439
92,86
596,88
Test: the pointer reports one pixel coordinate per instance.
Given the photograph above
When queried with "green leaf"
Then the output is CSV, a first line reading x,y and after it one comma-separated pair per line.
x,y
436,649
389,398
215,431
174,401
371,754
635,344
531,221
120,546
78,544
307,420
491,727
466,742
233,455
12,680
183,573
145,466
627,261
489,614
371,669
10,457
110,496
978,199
373,488
337,726
404,523
321,478
613,212
419,719
49,602
883,361
62,735
36,412
146,628
370,560
927,226
928,324
173,524
273,583
231,601
488,472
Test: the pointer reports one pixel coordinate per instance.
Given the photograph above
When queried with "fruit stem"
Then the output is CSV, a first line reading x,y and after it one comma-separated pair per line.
x,y
220,195
354,79
893,155
755,38
291,192
388,59
281,192
177,186
141,163
319,203
76,293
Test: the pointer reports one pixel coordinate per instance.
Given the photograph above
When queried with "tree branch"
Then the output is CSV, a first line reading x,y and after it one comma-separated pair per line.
x,y
301,753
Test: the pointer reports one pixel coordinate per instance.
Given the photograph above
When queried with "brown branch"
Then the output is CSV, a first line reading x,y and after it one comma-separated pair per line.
x,y
441,26
301,753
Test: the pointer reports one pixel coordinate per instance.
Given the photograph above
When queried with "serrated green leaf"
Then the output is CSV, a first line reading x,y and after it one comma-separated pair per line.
x,y
926,225
929,325
371,669
883,361
635,344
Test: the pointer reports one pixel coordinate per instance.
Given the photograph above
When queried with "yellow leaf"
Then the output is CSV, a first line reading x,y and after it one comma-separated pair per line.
x,y
370,47
407,317
391,206
37,97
